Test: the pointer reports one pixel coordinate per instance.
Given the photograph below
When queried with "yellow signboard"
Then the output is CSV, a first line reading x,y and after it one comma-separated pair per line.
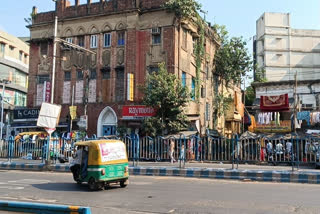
x,y
283,127
73,112
130,83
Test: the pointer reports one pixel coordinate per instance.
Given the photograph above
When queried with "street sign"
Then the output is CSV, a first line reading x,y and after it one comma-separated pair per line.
x,y
50,130
49,115
137,112
83,122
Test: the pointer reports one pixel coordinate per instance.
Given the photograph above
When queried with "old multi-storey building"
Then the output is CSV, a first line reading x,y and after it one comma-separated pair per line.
x,y
14,67
283,52
129,39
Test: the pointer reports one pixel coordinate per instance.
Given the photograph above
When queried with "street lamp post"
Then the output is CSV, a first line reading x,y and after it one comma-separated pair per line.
x,y
4,82
54,57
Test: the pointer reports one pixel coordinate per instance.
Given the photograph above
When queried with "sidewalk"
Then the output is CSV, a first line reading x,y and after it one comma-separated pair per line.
x,y
245,172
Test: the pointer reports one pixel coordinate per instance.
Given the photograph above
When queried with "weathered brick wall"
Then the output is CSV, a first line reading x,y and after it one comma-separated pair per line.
x,y
66,10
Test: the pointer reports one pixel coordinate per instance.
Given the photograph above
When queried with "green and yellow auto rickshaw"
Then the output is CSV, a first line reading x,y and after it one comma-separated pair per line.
x,y
100,163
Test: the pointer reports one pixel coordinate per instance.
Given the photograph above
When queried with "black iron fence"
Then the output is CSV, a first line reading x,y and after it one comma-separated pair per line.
x,y
293,151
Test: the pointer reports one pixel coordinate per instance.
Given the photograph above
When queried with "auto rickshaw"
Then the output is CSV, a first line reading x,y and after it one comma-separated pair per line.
x,y
102,162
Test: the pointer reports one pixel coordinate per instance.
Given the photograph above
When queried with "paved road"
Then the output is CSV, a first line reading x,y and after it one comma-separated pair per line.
x,y
163,194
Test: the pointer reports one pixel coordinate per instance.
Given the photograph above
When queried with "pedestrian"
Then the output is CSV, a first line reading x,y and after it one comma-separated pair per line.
x,y
182,153
76,164
172,151
270,151
11,145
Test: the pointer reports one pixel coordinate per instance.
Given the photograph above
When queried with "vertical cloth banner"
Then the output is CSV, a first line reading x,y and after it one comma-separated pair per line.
x,y
73,112
130,87
274,103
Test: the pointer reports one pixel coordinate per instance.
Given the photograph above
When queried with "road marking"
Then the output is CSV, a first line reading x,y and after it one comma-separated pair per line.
x,y
30,181
28,199
140,183
21,184
11,187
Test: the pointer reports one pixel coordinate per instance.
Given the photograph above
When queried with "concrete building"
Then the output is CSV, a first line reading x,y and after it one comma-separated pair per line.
x,y
283,52
129,38
14,67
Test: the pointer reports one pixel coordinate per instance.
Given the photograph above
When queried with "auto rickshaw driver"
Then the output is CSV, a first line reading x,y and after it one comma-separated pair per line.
x,y
80,163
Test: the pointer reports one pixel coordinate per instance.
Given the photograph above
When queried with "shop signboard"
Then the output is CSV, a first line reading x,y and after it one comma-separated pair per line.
x,y
137,112
283,127
26,114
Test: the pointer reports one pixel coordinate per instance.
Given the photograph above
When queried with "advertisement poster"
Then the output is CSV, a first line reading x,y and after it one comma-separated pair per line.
x,y
112,151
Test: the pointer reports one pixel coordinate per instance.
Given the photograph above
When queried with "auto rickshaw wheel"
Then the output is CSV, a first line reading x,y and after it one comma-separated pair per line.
x,y
123,183
92,184
106,186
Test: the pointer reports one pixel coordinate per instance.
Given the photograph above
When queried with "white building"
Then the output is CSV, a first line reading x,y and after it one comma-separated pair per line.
x,y
283,52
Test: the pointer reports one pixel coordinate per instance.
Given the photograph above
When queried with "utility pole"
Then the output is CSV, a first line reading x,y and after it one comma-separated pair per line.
x,y
295,101
72,100
54,57
4,82
244,103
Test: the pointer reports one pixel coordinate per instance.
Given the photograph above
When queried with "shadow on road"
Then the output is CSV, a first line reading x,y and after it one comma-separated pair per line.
x,y
65,187
70,187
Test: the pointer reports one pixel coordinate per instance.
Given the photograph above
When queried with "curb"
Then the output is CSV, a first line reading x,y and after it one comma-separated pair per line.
x,y
253,175
229,174
42,208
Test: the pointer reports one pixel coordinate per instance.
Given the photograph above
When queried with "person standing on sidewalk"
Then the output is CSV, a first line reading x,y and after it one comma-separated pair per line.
x,y
172,151
11,145
182,152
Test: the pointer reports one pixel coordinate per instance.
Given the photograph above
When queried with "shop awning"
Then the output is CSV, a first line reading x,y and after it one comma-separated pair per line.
x,y
193,117
32,124
235,117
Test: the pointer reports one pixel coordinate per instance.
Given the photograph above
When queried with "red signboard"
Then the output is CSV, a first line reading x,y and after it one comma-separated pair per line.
x,y
47,92
130,112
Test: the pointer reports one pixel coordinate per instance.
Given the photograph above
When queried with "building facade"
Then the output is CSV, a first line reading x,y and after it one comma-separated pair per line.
x,y
129,39
14,68
284,52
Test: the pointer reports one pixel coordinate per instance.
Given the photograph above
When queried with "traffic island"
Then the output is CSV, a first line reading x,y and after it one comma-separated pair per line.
x,y
24,207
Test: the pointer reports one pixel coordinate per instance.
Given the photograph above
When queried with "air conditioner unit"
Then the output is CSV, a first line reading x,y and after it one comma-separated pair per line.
x,y
156,30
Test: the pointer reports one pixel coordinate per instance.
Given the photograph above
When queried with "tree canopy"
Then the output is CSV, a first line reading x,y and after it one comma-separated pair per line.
x,y
232,59
183,8
165,92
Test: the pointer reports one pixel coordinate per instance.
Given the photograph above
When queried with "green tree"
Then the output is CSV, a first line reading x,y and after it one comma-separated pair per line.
x,y
232,64
232,59
183,8
249,96
165,93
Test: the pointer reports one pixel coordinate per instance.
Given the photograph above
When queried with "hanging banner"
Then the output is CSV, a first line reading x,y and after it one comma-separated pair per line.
x,y
274,103
73,112
47,94
130,86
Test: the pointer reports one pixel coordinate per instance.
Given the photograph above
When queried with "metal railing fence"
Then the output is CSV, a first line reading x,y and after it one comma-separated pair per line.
x,y
292,151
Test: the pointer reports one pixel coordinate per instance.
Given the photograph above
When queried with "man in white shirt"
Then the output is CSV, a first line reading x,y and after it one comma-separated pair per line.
x,y
75,168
